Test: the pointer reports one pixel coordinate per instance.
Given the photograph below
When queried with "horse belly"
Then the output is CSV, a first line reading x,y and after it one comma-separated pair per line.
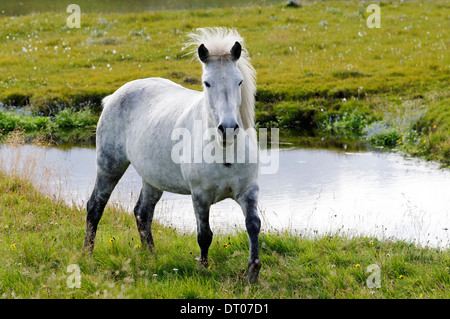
x,y
151,157
165,177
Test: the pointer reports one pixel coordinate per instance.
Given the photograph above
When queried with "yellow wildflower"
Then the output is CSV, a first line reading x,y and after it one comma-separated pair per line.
x,y
13,246
112,239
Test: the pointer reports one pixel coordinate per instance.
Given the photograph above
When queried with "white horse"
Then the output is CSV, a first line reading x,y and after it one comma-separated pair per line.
x,y
136,127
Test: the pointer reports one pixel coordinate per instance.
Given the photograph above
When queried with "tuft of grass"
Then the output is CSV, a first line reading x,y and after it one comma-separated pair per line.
x,y
42,237
65,119
73,119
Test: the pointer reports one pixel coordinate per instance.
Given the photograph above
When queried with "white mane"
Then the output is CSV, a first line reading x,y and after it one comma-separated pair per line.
x,y
219,42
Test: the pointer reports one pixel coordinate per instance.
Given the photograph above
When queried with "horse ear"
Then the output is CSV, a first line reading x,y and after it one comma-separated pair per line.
x,y
203,53
236,51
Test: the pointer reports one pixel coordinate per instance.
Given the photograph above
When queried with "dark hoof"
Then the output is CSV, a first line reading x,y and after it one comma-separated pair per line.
x,y
253,271
88,246
149,246
203,262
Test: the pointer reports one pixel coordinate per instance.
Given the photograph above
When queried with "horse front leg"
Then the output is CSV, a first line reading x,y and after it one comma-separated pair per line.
x,y
249,202
204,233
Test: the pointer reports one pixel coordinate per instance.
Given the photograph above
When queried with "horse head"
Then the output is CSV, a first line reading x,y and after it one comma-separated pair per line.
x,y
222,82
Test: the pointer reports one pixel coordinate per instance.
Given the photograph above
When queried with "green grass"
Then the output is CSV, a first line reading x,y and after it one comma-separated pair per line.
x,y
66,118
45,62
41,237
321,70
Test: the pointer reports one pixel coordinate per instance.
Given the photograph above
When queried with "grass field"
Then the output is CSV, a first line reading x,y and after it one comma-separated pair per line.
x,y
41,237
321,70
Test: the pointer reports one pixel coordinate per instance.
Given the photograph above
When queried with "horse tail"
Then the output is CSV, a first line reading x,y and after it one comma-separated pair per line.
x,y
105,100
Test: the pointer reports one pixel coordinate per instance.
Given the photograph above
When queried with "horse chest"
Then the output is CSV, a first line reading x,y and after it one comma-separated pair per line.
x,y
219,180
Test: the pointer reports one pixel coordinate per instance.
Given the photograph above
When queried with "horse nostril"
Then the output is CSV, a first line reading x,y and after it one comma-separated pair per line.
x,y
221,129
228,131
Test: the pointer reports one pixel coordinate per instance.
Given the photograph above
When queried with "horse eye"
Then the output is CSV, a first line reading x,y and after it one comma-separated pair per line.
x,y
207,84
240,83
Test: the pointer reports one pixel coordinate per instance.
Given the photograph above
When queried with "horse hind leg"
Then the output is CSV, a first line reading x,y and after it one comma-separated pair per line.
x,y
105,182
143,211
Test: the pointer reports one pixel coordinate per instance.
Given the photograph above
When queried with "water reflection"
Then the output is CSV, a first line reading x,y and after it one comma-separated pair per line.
x,y
314,191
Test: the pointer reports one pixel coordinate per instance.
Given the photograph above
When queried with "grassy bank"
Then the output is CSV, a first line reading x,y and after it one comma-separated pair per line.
x,y
40,237
321,70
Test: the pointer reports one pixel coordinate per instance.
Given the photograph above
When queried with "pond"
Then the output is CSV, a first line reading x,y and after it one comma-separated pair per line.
x,y
314,191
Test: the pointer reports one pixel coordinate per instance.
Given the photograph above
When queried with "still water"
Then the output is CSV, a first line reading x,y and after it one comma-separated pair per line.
x,y
314,191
